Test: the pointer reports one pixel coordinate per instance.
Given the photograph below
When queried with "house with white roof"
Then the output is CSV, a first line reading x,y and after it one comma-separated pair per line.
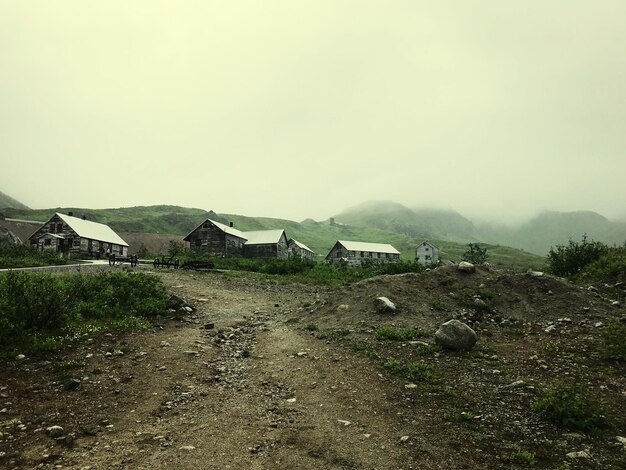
x,y
299,250
358,253
426,253
217,239
68,234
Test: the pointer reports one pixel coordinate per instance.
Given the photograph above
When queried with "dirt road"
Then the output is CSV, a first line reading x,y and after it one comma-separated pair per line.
x,y
267,375
250,393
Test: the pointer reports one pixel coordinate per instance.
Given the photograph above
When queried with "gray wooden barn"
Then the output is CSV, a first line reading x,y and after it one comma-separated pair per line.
x,y
358,253
300,250
67,234
216,239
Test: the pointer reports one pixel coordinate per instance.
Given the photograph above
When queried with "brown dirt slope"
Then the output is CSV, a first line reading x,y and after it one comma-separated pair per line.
x,y
294,376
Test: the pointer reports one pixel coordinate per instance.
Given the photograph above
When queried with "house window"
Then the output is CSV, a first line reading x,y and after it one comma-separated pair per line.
x,y
362,254
59,228
205,226
198,242
47,242
338,254
378,255
426,248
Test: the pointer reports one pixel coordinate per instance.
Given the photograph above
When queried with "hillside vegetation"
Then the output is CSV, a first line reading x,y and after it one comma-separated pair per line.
x,y
8,202
319,236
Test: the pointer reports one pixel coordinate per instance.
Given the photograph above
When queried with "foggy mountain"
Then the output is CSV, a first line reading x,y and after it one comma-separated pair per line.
x,y
9,202
537,235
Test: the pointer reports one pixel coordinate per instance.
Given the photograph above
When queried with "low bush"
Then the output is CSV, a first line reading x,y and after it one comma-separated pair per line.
x,y
569,260
22,256
38,310
571,407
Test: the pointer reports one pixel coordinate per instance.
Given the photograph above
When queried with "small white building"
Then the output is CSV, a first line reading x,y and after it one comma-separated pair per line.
x,y
426,253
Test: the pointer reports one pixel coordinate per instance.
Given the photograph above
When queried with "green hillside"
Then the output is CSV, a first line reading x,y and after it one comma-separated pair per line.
x,y
9,202
319,236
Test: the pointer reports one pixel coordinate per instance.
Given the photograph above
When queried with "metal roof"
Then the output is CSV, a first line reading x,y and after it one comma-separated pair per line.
x,y
366,246
229,230
92,230
263,237
301,245
224,228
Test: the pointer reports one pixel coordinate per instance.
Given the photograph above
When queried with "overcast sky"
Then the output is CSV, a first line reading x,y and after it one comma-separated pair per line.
x,y
300,109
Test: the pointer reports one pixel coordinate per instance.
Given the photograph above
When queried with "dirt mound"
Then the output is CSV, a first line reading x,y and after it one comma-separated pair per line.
x,y
486,296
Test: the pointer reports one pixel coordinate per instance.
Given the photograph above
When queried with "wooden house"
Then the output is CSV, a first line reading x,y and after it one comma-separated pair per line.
x,y
300,250
266,244
67,234
217,239
358,253
427,253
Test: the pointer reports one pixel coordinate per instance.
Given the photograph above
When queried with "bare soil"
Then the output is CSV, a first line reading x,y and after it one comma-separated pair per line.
x,y
292,376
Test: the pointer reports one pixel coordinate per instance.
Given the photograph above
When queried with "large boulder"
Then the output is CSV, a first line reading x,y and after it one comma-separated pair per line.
x,y
466,267
384,305
456,335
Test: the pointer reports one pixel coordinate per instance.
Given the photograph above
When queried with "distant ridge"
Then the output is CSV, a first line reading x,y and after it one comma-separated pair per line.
x,y
7,202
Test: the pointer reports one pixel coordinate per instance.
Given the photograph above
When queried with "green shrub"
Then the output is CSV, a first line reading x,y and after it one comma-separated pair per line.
x,y
475,254
395,334
571,259
611,266
394,365
419,371
39,311
525,458
569,406
22,256
614,342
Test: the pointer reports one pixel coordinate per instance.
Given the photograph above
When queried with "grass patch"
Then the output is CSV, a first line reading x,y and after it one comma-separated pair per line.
x,y
311,327
614,342
385,333
22,256
571,407
419,371
428,350
524,457
41,312
292,320
335,335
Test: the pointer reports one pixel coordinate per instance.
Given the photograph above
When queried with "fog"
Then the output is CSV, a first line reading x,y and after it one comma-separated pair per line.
x,y
300,109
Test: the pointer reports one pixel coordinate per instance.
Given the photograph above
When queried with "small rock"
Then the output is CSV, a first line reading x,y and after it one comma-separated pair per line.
x,y
384,305
118,352
291,400
404,438
209,326
301,354
550,329
343,307
344,422
409,386
165,344
599,324
621,440
466,267
578,455
20,357
565,320
535,273
187,448
55,431
616,303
